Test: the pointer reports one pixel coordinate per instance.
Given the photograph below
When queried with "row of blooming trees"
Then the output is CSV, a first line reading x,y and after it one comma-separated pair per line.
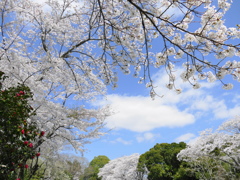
x,y
213,155
160,162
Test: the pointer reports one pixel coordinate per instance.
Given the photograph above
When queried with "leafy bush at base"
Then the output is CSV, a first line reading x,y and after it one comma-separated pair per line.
x,y
19,137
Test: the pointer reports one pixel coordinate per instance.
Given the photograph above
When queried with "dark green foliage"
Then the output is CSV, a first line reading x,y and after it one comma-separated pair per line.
x,y
91,173
16,134
162,163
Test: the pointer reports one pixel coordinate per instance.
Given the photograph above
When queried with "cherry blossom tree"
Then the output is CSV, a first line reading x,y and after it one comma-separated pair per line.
x,y
24,58
67,51
123,168
62,166
219,147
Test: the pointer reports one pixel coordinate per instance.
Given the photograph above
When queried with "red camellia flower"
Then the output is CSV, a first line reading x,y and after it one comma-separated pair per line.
x,y
21,92
22,131
42,133
38,154
18,179
26,166
25,142
30,145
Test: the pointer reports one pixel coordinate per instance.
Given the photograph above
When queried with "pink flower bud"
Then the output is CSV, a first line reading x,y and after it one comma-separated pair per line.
x,y
26,166
30,145
25,142
42,133
38,154
22,131
21,92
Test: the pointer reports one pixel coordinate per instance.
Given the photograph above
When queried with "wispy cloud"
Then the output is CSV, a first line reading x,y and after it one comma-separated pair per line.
x,y
148,136
120,140
172,11
185,137
200,101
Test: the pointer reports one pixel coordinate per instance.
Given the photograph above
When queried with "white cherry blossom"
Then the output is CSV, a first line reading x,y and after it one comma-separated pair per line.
x,y
121,168
225,139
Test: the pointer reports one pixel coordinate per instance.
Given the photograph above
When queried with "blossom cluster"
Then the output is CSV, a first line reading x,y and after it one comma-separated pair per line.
x,y
144,22
120,168
225,139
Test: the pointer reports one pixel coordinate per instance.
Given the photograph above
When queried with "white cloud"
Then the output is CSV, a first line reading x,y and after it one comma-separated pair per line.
x,y
147,137
141,114
185,137
172,11
221,111
203,104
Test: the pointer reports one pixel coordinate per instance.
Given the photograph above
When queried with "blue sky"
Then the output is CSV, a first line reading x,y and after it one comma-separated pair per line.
x,y
139,122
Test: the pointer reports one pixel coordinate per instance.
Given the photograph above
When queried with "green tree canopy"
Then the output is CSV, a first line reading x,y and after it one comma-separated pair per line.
x,y
162,163
91,173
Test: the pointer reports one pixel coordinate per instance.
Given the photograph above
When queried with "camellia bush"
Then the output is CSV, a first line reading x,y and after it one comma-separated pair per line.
x,y
19,137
